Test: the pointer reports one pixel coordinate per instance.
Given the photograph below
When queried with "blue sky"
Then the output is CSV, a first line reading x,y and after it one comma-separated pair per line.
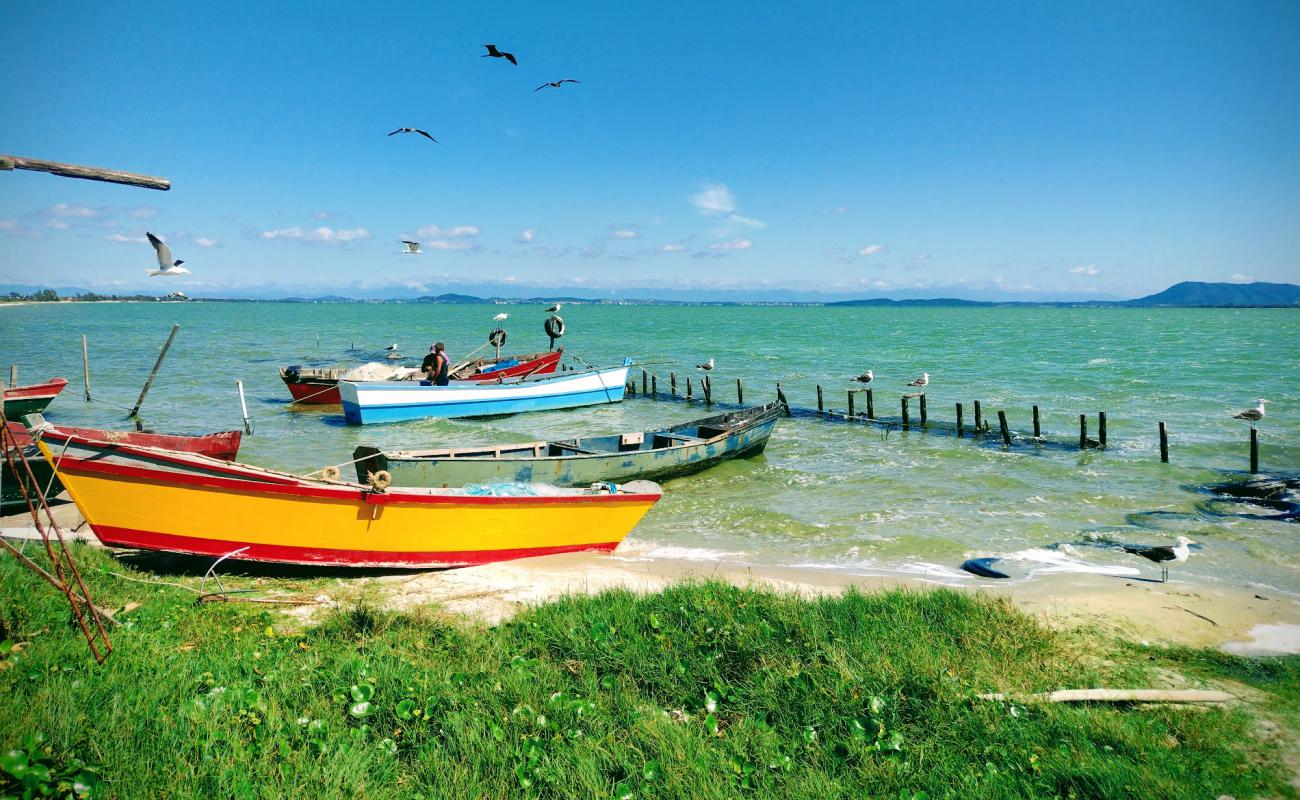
x,y
947,148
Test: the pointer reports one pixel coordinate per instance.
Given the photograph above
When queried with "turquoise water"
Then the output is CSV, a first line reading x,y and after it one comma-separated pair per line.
x,y
825,495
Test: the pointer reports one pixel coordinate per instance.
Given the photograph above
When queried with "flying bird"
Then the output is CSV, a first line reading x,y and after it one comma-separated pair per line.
x,y
707,367
1178,553
425,134
555,84
555,308
922,381
412,248
168,268
866,377
1251,415
391,347
500,317
493,52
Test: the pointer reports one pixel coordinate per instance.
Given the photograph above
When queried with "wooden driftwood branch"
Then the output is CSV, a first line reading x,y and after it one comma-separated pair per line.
x,y
88,173
1117,696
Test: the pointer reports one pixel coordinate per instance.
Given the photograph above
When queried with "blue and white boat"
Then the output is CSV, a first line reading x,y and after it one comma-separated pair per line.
x,y
393,401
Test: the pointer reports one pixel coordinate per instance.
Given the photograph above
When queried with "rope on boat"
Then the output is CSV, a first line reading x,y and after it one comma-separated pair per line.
x,y
313,394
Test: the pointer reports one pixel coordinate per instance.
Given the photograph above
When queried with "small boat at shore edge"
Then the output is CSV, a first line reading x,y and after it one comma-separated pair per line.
x,y
320,387
31,399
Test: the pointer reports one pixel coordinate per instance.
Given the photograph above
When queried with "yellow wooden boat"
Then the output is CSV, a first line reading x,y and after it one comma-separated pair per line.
x,y
152,499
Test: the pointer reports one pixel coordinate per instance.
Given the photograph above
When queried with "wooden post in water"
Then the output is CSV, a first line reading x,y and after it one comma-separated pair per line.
x,y
1101,428
243,407
1038,432
645,382
672,377
157,364
923,414
688,388
13,374
654,385
740,392
1254,451
906,421
1083,431
780,396
819,399
1002,423
871,405
978,417
85,365
959,426
1164,444
850,404
706,383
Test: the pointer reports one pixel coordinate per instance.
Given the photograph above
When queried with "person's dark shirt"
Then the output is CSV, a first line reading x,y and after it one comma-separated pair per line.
x,y
427,366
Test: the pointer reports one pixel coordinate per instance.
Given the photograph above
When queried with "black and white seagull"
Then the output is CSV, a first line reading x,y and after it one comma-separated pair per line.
x,y
425,134
392,347
1252,415
555,84
1178,553
493,52
866,377
922,381
554,308
707,366
167,267
412,248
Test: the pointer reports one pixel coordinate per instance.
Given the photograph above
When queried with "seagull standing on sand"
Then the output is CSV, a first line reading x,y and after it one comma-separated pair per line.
x,y
555,84
922,381
425,134
493,52
866,377
500,317
168,267
412,248
707,367
554,308
1178,554
1251,415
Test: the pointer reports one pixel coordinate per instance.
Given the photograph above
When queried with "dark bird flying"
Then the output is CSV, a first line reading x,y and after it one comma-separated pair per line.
x,y
555,84
425,134
493,52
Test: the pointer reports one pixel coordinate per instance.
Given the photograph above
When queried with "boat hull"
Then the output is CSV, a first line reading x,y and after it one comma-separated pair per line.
x,y
20,400
575,470
314,390
393,401
154,500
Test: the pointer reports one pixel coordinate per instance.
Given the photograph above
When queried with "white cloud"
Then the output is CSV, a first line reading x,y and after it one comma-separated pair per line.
x,y
57,224
841,209
734,244
748,222
120,237
321,235
871,250
1087,269
624,234
322,215
447,244
70,210
671,248
454,232
1238,277
203,241
8,224
526,236
144,212
714,198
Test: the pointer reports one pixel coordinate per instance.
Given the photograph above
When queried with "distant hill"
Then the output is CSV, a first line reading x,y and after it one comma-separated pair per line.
x,y
456,299
1195,293
938,301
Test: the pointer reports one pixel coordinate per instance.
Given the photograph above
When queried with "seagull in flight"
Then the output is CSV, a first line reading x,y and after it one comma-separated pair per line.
x,y
866,377
555,308
168,268
922,381
425,134
1178,553
500,317
493,52
1251,415
555,84
707,367
412,248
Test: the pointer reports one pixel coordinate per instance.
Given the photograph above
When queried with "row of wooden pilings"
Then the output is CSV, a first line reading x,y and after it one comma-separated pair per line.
x,y
650,388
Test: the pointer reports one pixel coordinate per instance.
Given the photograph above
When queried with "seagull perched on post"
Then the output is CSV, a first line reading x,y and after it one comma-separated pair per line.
x,y
554,308
412,248
500,317
168,268
866,377
493,52
707,367
425,134
1251,415
555,84
922,381
1178,553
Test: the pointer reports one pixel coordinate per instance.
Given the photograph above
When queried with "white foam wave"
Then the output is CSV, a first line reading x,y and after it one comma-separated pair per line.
x,y
1053,561
633,550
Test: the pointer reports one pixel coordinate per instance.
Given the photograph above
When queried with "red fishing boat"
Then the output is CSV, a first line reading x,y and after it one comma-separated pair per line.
x,y
31,399
317,387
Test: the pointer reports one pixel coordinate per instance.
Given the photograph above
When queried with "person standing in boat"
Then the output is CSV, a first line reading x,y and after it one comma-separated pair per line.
x,y
436,366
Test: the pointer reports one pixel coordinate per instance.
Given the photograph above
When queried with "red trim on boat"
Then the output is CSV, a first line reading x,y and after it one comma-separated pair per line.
x,y
35,391
223,445
151,540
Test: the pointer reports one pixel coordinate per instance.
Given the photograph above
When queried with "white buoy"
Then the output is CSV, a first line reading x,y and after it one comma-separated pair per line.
x,y
243,407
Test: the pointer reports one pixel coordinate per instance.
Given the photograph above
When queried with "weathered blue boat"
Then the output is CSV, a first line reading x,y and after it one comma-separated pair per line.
x,y
394,401
652,455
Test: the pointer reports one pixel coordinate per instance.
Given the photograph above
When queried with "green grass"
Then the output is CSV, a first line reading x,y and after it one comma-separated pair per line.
x,y
704,690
